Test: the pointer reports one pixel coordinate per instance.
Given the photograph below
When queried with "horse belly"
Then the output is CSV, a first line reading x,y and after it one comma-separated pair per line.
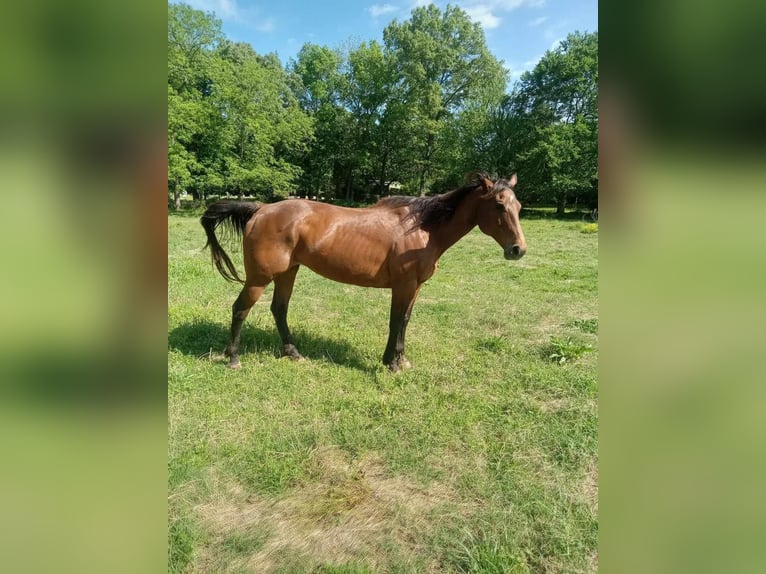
x,y
353,263
345,271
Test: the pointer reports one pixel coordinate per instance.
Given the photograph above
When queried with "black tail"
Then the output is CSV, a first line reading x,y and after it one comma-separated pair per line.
x,y
234,215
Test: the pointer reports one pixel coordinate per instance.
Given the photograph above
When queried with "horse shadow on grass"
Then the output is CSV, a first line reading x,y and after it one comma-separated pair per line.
x,y
203,338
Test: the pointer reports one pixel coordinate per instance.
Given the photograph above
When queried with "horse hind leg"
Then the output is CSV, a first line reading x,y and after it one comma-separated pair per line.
x,y
283,290
239,311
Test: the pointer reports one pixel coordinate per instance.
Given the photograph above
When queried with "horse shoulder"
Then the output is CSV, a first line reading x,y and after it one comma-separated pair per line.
x,y
413,256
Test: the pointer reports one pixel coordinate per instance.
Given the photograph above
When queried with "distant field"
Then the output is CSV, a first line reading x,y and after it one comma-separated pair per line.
x,y
482,458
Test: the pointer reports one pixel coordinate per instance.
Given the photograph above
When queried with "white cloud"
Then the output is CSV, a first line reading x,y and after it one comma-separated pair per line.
x,y
266,25
482,14
508,5
230,11
224,9
538,21
380,9
487,12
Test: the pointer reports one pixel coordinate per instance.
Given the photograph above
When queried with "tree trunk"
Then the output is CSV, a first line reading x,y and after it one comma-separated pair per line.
x,y
561,202
176,196
349,187
422,177
382,178
426,165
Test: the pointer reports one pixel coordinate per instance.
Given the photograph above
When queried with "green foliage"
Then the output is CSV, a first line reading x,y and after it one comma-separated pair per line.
x,y
264,125
494,555
589,228
549,125
445,70
235,124
417,111
382,115
586,325
182,538
492,344
563,349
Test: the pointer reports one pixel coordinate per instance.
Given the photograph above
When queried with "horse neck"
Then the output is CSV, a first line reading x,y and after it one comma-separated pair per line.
x,y
458,226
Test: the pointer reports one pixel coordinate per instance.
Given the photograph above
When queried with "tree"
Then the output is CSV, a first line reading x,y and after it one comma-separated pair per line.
x,y
423,108
443,63
234,121
552,119
182,124
319,85
192,38
374,97
264,125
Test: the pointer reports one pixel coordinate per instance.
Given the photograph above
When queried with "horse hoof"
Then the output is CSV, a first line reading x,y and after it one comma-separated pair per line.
x,y
235,365
399,365
290,351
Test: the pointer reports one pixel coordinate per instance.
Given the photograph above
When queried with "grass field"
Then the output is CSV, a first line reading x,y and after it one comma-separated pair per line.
x,y
482,458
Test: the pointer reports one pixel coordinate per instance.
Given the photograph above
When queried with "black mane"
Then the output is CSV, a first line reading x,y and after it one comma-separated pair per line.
x,y
433,211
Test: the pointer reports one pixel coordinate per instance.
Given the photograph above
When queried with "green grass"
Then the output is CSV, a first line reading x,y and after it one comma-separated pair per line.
x,y
565,349
482,458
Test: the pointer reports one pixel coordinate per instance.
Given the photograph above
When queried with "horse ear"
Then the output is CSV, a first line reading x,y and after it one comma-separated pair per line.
x,y
513,180
480,178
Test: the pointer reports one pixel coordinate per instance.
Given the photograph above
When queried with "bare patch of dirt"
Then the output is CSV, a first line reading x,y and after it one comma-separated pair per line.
x,y
349,511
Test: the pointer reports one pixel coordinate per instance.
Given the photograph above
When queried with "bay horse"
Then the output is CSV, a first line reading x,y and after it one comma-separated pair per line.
x,y
394,244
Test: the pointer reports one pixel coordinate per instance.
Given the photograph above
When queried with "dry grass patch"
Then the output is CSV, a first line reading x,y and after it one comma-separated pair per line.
x,y
553,406
350,511
590,486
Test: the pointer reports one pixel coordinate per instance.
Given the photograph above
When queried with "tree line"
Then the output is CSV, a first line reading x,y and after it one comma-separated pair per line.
x,y
407,116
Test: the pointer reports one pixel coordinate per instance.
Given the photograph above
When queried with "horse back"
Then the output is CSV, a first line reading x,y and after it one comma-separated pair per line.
x,y
360,246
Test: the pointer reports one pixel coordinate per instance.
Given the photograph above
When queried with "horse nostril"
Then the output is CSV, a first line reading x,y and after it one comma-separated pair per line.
x,y
515,252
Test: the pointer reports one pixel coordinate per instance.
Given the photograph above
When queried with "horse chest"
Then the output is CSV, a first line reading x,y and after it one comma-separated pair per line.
x,y
428,271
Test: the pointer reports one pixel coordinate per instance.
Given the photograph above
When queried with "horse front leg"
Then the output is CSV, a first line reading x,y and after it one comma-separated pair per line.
x,y
402,301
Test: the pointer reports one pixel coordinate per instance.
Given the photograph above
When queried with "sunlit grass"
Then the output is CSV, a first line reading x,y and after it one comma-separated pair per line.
x,y
482,458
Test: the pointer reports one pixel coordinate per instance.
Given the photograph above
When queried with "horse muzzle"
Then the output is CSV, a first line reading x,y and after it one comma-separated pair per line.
x,y
514,252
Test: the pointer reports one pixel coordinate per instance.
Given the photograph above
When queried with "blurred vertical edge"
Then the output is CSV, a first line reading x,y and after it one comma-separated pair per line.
x,y
82,296
682,281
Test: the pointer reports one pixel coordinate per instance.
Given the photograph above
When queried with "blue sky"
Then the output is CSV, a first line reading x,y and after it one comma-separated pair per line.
x,y
518,31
